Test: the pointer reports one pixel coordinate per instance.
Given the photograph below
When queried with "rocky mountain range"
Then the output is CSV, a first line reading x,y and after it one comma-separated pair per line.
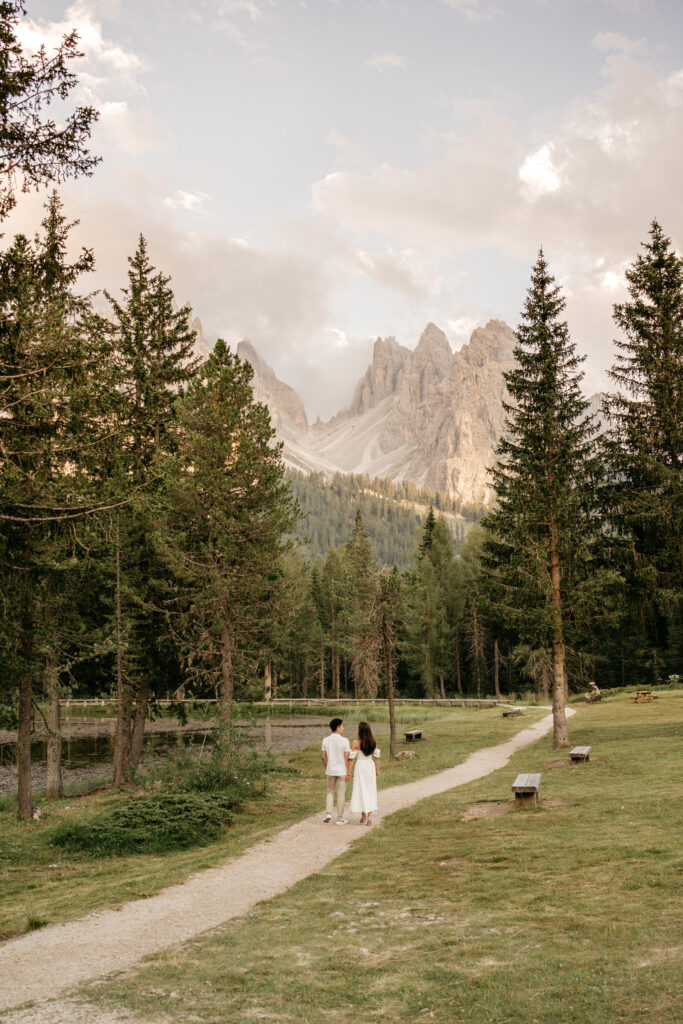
x,y
427,415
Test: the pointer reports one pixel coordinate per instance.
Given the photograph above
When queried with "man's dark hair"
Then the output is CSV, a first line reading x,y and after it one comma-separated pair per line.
x,y
335,723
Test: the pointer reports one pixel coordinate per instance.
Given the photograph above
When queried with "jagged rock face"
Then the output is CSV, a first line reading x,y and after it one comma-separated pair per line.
x,y
286,408
430,416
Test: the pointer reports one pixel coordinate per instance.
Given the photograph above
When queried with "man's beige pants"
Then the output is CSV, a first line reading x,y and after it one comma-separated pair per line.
x,y
336,783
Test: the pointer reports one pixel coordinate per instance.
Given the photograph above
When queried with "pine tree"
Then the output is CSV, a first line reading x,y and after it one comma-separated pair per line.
x,y
390,619
56,382
224,513
644,449
35,150
541,530
429,608
361,622
155,346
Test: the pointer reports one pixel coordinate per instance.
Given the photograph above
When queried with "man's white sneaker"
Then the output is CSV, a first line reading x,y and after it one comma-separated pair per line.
x,y
342,821
328,817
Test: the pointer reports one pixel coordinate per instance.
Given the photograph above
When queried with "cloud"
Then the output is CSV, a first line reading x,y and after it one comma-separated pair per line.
x,y
387,62
252,10
615,42
104,61
475,10
587,190
538,171
127,130
610,164
626,6
193,202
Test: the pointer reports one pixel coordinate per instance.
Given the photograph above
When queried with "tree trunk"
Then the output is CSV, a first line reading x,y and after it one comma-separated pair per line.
x,y
560,730
442,687
268,683
54,785
496,667
138,731
458,673
322,672
122,739
389,673
335,674
227,681
274,683
25,796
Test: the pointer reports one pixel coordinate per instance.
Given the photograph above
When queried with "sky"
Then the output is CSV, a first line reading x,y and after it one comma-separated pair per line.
x,y
314,174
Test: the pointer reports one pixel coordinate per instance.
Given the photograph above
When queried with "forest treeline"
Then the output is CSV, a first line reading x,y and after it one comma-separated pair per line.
x,y
392,513
147,545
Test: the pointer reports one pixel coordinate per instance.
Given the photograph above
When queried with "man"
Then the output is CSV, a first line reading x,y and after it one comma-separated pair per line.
x,y
336,755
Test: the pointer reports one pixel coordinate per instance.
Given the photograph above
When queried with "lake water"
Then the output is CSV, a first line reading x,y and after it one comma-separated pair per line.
x,y
88,746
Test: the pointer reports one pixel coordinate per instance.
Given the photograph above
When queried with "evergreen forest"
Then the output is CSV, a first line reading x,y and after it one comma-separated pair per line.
x,y
392,514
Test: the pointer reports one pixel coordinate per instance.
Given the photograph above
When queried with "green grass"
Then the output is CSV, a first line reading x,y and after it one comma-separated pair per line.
x,y
566,912
40,881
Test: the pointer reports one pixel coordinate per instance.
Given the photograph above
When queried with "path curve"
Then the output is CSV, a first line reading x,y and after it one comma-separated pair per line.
x,y
45,963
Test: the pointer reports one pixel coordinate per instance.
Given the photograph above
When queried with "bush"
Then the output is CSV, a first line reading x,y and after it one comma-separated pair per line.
x,y
149,824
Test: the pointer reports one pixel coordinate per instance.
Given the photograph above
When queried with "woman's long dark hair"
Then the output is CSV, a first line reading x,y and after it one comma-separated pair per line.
x,y
368,744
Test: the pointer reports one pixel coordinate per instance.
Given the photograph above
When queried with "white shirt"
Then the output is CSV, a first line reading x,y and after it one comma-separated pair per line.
x,y
335,746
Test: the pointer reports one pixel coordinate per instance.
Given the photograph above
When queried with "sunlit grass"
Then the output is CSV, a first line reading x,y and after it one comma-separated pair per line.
x,y
38,881
567,912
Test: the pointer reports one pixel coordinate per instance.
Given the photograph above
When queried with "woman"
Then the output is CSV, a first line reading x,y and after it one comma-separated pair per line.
x,y
365,757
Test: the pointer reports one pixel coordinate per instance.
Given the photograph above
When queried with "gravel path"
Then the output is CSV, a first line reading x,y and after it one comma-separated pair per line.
x,y
40,965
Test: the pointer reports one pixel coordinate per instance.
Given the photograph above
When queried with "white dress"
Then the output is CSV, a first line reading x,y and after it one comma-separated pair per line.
x,y
364,795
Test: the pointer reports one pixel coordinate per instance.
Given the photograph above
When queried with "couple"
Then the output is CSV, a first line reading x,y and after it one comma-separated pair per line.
x,y
337,756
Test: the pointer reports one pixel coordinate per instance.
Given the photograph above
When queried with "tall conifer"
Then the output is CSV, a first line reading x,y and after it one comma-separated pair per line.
x,y
542,527
644,449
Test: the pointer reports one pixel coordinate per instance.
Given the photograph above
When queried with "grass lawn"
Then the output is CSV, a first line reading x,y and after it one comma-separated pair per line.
x,y
564,912
41,884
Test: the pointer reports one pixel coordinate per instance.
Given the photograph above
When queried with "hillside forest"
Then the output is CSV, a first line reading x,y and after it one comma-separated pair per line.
x,y
148,542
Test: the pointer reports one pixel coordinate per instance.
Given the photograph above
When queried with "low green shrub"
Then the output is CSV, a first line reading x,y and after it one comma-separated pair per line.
x,y
152,823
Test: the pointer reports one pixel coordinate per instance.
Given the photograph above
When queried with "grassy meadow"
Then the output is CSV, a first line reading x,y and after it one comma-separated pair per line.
x,y
465,908
42,884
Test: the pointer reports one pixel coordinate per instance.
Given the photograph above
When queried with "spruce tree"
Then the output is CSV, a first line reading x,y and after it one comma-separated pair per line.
x,y
223,517
543,525
56,382
34,149
361,622
644,450
429,608
154,342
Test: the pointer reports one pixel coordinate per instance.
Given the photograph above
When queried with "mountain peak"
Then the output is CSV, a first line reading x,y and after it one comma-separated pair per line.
x,y
433,342
286,408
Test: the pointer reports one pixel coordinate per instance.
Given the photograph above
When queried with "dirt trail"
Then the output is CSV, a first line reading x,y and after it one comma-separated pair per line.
x,y
42,964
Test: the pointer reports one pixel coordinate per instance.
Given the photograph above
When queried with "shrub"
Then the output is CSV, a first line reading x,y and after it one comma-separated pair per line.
x,y
152,823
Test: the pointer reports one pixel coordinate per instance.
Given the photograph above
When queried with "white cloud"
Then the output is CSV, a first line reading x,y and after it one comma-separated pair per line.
x,y
252,10
615,42
194,202
538,172
460,329
103,60
475,10
127,130
610,165
387,62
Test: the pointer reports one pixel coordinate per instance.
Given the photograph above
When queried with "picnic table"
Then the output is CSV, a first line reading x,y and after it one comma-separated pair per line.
x,y
642,696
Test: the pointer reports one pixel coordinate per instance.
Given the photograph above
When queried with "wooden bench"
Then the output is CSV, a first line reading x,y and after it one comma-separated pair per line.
x,y
509,712
526,787
580,753
413,734
644,695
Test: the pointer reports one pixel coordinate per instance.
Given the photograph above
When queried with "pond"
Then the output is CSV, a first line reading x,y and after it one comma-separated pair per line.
x,y
88,745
